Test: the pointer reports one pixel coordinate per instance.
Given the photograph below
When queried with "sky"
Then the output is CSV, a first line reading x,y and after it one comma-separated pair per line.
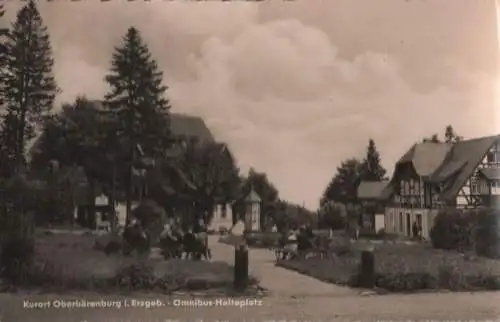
x,y
296,87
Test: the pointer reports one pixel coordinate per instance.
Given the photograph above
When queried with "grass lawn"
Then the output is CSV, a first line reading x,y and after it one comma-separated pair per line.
x,y
405,268
71,261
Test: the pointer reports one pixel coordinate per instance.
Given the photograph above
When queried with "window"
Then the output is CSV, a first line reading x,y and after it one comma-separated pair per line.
x,y
474,188
419,219
490,156
223,214
400,222
495,184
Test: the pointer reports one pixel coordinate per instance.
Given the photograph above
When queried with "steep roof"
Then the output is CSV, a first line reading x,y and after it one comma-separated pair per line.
x,y
377,190
449,164
187,125
426,157
491,173
466,155
253,197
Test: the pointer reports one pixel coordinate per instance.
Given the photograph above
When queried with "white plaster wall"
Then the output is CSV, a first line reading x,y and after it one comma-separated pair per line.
x,y
394,223
379,222
256,217
218,221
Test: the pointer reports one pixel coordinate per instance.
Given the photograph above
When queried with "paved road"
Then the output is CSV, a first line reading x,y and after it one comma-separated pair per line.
x,y
294,297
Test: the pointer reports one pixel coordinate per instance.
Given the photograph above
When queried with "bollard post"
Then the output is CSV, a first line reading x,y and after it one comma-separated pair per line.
x,y
367,274
240,267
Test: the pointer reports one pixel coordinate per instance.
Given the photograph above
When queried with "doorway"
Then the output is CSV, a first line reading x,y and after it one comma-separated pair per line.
x,y
408,224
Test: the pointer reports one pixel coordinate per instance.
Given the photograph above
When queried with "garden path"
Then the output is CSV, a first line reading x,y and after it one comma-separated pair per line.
x,y
278,280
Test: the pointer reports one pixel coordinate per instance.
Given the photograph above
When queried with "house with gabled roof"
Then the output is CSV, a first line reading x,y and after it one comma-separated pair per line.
x,y
373,196
431,176
185,128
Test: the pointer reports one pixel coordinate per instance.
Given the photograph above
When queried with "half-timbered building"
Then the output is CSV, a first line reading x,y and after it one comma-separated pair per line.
x,y
431,176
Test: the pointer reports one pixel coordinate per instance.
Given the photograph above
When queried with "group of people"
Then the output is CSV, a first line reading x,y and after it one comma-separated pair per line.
x,y
173,240
295,242
136,237
193,242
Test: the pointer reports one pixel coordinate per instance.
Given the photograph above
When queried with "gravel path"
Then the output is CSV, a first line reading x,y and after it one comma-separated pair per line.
x,y
279,281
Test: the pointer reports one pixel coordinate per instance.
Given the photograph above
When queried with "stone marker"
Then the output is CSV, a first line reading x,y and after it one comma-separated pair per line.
x,y
367,274
240,267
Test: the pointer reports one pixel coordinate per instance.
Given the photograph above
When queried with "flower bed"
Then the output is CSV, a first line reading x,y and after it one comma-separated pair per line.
x,y
406,268
69,262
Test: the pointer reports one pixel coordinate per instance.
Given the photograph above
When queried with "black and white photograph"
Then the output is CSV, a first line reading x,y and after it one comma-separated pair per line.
x,y
307,160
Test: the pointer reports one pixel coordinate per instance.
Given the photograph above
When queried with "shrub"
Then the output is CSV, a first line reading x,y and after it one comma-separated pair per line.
x,y
16,228
406,281
487,237
134,277
464,230
109,243
453,230
341,246
406,268
16,259
152,217
333,215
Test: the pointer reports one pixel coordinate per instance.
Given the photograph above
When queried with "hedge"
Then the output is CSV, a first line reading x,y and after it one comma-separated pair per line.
x,y
467,230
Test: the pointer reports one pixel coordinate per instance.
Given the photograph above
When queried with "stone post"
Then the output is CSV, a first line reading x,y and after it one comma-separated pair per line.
x,y
240,267
367,271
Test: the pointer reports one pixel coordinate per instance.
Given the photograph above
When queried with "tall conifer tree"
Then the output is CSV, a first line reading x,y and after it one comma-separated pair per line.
x,y
30,87
136,101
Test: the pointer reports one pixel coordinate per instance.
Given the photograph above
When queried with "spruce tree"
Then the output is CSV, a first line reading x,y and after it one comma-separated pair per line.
x,y
451,136
3,55
136,100
30,87
4,151
372,169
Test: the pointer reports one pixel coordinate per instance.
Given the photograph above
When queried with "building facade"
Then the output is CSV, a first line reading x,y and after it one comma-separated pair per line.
x,y
373,196
252,215
432,176
222,217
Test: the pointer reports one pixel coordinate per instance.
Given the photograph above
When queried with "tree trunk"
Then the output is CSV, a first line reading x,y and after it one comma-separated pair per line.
x,y
91,209
20,142
129,194
111,202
